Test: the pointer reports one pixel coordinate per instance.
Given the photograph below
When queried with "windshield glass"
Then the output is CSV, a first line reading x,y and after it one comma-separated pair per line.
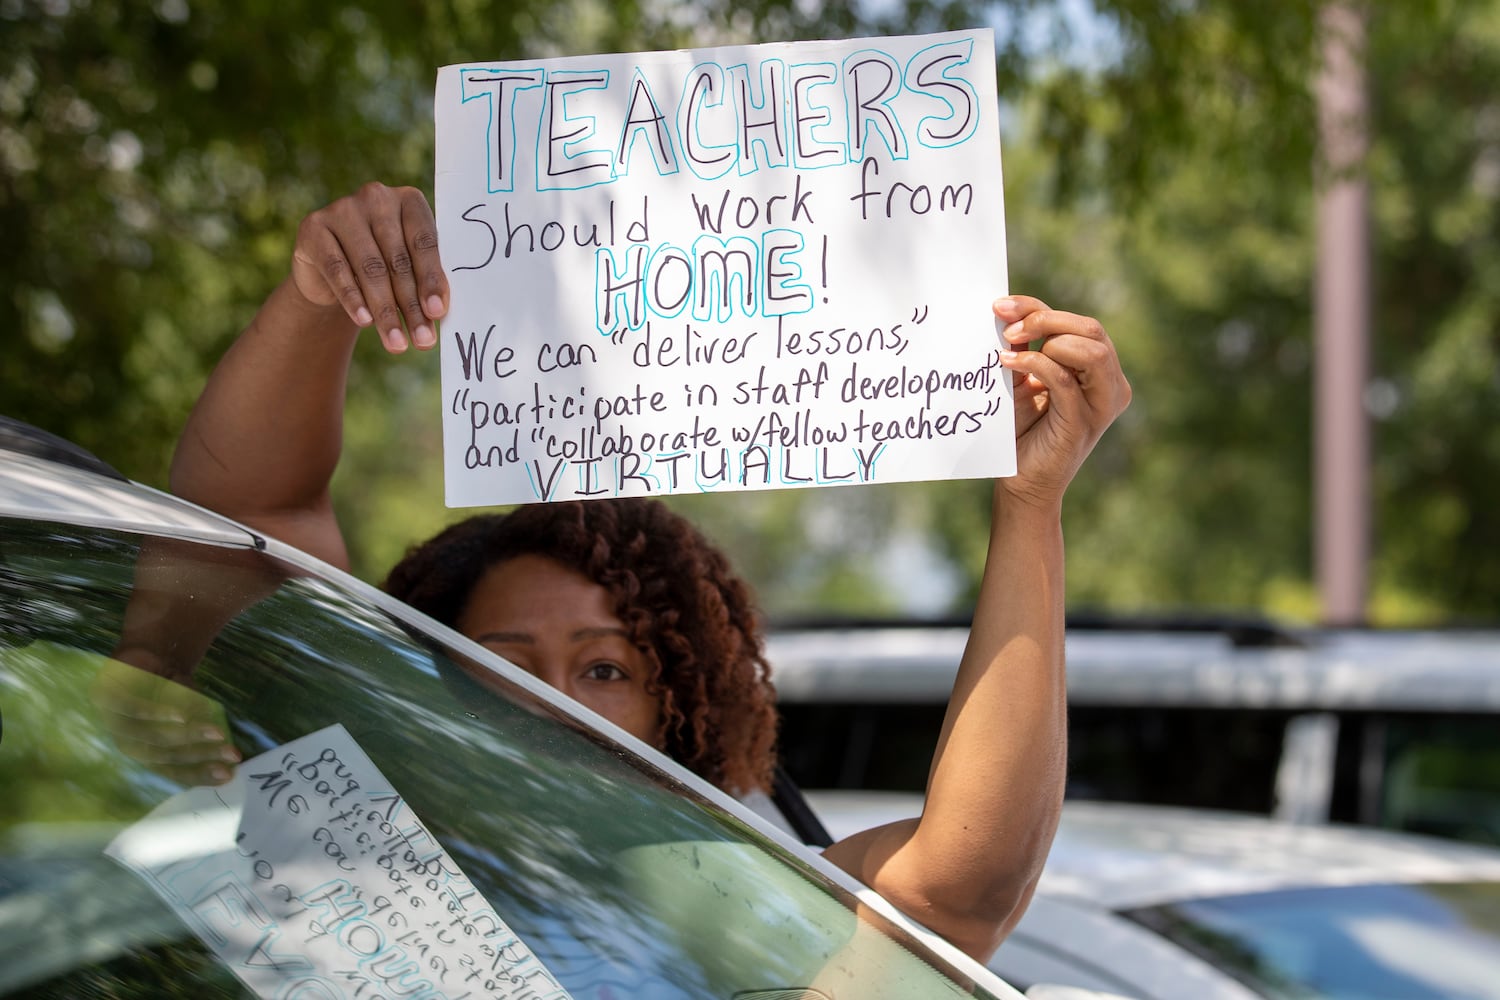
x,y
1367,942
225,777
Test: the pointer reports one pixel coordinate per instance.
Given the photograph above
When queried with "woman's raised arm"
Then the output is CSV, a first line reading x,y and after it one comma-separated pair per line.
x,y
264,438
968,866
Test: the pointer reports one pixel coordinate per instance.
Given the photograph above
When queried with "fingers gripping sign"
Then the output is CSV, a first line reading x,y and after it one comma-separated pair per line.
x,y
1067,392
170,728
375,254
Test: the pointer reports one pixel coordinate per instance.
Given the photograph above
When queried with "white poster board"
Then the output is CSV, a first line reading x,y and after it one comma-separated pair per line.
x,y
747,267
309,877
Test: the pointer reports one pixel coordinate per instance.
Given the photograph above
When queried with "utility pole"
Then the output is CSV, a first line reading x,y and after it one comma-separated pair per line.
x,y
1341,452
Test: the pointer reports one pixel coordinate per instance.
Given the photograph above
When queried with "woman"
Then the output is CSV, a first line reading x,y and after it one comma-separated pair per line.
x,y
600,620
622,605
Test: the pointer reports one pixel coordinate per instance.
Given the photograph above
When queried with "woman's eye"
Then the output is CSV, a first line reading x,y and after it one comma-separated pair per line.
x,y
605,672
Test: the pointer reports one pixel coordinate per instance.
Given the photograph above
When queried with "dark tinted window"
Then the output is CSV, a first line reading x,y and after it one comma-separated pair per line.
x,y
1441,775
885,747
1203,757
1120,753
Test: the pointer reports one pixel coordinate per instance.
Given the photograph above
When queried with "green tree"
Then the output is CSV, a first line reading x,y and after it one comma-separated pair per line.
x,y
155,159
1200,499
1436,183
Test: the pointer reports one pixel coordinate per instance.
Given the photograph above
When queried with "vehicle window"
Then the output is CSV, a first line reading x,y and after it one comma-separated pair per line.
x,y
842,745
1119,753
129,668
1442,777
1135,754
1403,942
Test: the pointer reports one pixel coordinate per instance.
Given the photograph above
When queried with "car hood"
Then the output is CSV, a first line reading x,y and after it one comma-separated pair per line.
x,y
1120,856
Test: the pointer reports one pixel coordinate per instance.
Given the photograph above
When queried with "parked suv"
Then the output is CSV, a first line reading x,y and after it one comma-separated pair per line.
x,y
1394,729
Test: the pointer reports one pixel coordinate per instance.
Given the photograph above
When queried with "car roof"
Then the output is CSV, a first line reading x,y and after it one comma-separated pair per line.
x,y
1415,670
1121,856
1125,856
39,486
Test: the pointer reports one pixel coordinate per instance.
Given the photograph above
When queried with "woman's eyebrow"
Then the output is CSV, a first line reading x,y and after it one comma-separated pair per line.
x,y
522,637
598,632
578,635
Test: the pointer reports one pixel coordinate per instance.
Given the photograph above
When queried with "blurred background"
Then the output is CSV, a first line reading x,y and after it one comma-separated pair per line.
x,y
1166,167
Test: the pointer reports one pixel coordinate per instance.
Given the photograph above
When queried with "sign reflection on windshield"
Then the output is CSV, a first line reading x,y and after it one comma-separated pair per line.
x,y
308,876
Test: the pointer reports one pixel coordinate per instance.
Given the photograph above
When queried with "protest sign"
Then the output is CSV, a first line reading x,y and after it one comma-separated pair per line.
x,y
745,267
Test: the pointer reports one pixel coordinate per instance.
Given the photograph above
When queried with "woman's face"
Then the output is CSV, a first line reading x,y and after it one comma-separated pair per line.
x,y
560,627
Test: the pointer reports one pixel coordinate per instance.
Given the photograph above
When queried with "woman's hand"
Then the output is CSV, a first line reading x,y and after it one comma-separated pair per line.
x,y
173,730
375,253
1067,394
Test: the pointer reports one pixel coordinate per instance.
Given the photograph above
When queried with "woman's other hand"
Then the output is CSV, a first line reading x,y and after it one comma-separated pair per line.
x,y
1067,393
375,254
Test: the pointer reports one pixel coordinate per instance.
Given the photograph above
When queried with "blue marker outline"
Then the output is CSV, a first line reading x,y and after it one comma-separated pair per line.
x,y
490,120
855,121
748,161
781,468
625,150
723,308
662,456
582,465
834,481
924,131
765,259
536,490
591,130
727,480
839,149
599,300
745,466
645,473
687,120
650,271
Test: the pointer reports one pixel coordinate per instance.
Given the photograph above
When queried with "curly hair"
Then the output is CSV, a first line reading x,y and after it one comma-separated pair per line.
x,y
681,603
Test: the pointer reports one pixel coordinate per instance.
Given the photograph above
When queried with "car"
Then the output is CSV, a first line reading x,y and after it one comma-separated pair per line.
x,y
1167,903
1393,728
230,770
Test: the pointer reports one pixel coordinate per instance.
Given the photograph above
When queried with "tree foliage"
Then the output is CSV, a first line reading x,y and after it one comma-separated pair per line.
x,y
156,158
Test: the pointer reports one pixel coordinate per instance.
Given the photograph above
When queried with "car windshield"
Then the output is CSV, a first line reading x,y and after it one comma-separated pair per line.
x,y
227,776
1367,942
